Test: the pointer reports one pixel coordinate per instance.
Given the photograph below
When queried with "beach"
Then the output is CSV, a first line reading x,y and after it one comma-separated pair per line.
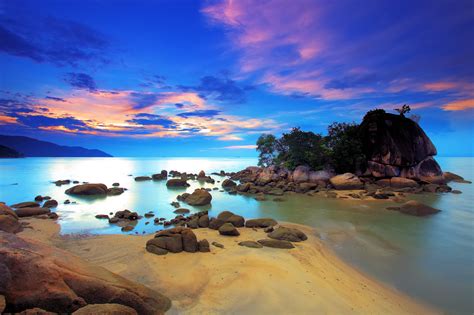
x,y
308,279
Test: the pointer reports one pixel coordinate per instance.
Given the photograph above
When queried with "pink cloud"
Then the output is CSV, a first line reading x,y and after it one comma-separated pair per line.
x,y
459,105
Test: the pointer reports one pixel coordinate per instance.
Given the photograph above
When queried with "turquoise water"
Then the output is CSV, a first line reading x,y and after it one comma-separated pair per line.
x,y
428,258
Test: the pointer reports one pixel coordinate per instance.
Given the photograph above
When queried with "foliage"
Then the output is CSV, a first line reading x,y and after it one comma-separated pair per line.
x,y
266,146
302,148
403,110
345,147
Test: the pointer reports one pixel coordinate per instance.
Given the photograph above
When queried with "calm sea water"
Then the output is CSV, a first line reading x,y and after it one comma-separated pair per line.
x,y
428,258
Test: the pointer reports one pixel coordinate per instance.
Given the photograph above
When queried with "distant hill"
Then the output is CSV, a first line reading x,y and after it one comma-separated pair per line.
x,y
6,152
30,147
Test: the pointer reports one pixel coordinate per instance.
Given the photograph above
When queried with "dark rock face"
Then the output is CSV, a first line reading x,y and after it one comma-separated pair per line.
x,y
397,146
37,275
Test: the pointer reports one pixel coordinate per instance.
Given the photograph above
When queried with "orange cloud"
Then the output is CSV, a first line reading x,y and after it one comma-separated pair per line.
x,y
439,86
459,105
7,120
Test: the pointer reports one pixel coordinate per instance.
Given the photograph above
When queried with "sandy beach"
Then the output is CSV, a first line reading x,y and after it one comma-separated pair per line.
x,y
308,279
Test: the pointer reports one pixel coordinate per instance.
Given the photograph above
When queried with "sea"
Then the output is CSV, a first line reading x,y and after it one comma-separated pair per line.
x,y
430,258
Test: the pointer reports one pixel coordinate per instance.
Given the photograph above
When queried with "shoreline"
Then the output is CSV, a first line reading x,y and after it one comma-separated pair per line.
x,y
310,277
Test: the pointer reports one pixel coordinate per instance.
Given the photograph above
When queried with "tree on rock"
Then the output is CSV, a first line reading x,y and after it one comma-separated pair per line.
x,y
266,146
404,110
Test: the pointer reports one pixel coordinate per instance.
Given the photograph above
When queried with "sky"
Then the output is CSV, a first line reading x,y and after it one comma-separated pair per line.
x,y
206,78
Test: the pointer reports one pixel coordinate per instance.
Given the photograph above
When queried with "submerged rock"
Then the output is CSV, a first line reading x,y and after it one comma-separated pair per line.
x,y
415,208
142,178
177,182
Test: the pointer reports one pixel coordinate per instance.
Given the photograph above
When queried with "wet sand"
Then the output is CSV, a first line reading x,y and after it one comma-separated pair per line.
x,y
308,279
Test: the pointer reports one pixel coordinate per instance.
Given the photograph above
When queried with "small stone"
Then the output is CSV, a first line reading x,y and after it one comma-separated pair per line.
x,y
251,244
216,244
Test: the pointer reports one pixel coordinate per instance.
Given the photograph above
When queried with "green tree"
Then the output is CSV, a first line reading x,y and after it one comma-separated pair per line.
x,y
302,148
266,146
345,145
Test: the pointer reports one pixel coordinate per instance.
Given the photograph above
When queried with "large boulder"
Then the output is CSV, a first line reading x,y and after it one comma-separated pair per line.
x,y
397,146
276,243
177,182
228,229
228,183
320,176
174,240
36,275
160,176
88,189
200,197
29,212
9,220
346,181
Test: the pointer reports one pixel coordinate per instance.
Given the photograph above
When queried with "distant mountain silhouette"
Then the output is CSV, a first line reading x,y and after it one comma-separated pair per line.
x,y
30,147
6,152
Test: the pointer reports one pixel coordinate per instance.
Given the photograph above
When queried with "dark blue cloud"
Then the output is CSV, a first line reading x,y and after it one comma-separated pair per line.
x,y
57,99
47,39
81,81
36,121
353,81
143,100
179,105
221,89
200,113
152,120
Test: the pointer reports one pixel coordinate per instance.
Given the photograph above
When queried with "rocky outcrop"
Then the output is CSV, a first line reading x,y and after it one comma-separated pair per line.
x,y
142,178
88,190
9,220
397,146
200,197
29,212
228,183
276,243
50,204
36,275
26,204
160,176
260,223
228,229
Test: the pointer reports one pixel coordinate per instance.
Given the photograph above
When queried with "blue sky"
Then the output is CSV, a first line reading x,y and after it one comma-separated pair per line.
x,y
192,78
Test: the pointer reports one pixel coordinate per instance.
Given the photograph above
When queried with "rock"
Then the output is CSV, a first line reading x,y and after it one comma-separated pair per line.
x,y
251,244
346,181
201,174
67,201
401,182
276,243
301,174
177,182
451,177
9,220
397,146
53,216
288,234
320,176
190,243
35,311
228,183
114,220
216,244
50,204
105,309
181,211
102,216
39,198
229,217
203,221
173,240
115,191
228,229
116,184
149,215
26,204
203,246
175,204
200,197
62,182
268,229
142,178
260,223
28,212
275,192
88,189
415,208
2,304
161,176
38,275
215,223
127,228
455,191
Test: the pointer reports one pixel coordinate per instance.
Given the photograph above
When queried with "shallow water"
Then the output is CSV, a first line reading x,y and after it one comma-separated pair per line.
x,y
428,258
